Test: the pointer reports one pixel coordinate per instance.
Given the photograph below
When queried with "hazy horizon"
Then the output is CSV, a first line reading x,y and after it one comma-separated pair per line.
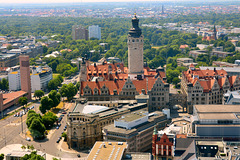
x,y
88,1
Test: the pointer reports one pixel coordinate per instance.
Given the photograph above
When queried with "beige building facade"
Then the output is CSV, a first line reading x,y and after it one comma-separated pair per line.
x,y
136,129
85,123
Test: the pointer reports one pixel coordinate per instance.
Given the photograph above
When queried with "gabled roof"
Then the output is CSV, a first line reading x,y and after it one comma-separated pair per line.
x,y
118,85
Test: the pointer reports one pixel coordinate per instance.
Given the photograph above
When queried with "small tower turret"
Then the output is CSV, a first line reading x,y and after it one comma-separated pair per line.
x,y
154,140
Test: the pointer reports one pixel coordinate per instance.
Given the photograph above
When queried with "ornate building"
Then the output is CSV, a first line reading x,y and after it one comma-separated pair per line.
x,y
207,86
162,147
113,81
85,122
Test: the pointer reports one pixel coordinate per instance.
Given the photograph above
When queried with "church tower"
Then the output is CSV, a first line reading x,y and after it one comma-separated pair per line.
x,y
83,73
215,32
135,50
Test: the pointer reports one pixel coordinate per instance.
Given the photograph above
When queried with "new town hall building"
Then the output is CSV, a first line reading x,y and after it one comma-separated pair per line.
x,y
113,81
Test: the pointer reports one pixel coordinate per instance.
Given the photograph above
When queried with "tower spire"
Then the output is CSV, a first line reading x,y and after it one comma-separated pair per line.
x,y
135,31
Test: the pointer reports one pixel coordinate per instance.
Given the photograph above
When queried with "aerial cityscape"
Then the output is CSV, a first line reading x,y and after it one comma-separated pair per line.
x,y
139,80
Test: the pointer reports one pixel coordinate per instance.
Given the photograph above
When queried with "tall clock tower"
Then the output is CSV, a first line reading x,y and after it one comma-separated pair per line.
x,y
135,50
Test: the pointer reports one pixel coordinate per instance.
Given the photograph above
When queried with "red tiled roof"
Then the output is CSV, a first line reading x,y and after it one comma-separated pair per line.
x,y
207,78
183,46
103,70
8,97
111,85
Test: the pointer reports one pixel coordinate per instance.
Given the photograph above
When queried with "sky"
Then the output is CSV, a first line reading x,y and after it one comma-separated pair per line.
x,y
75,1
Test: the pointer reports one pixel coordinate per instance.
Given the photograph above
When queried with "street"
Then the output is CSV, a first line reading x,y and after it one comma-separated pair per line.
x,y
11,134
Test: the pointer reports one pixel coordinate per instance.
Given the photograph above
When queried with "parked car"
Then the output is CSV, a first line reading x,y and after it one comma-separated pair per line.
x,y
28,139
57,127
58,140
64,112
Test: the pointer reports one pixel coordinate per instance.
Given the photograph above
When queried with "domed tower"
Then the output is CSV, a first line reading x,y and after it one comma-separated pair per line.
x,y
135,50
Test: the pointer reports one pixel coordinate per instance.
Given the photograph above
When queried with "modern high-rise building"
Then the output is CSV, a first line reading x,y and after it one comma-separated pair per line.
x,y
25,75
94,31
79,32
135,50
39,75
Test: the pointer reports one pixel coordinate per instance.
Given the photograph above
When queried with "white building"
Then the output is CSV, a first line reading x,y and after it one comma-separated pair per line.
x,y
14,81
231,97
94,31
40,76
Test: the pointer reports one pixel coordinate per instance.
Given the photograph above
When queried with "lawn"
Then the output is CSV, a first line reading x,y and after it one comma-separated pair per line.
x,y
58,108
55,75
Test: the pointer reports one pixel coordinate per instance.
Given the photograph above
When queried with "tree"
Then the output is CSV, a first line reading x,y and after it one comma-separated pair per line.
x,y
23,101
37,125
46,104
31,147
2,156
53,84
55,97
23,147
32,156
38,94
4,85
68,91
175,80
64,135
9,47
49,119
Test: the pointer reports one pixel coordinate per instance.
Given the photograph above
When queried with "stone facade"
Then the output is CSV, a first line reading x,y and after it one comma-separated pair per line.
x,y
135,55
158,96
208,88
83,130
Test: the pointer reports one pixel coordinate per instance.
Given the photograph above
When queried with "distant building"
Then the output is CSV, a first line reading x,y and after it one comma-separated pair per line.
x,y
237,62
186,62
196,53
136,129
231,71
85,123
221,54
183,47
79,32
94,31
223,64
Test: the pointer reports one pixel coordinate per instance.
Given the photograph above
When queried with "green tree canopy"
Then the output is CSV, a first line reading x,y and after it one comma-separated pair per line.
x,y
23,101
38,94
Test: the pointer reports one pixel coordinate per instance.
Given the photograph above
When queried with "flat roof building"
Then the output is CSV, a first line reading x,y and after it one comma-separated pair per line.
x,y
136,129
216,120
107,150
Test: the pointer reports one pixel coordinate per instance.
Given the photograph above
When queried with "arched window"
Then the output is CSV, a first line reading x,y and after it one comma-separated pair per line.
x,y
84,134
74,134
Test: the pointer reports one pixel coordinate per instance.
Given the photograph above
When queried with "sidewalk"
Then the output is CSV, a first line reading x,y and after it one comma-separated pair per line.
x,y
17,147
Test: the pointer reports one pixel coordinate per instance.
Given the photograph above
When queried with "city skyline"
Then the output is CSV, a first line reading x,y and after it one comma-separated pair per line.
x,y
89,1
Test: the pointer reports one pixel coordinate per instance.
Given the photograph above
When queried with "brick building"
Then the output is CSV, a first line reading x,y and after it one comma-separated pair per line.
x,y
162,146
